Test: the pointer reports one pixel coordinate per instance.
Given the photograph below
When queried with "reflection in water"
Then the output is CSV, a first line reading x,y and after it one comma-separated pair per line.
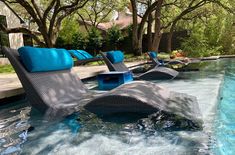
x,y
14,127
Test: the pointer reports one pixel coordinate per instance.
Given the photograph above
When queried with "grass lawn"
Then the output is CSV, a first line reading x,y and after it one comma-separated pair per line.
x,y
6,69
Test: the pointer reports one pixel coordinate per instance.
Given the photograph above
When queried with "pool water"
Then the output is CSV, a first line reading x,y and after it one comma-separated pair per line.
x,y
225,122
85,134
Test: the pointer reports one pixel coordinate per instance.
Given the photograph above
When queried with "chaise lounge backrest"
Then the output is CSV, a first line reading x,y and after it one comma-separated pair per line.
x,y
50,89
153,56
83,57
114,66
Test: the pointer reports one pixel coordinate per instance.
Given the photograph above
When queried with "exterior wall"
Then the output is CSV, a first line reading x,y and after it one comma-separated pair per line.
x,y
16,39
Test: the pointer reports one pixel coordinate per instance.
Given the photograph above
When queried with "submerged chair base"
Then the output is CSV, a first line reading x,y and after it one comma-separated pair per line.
x,y
145,97
158,73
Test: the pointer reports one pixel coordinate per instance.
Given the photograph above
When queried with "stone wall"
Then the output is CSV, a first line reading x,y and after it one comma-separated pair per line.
x,y
16,39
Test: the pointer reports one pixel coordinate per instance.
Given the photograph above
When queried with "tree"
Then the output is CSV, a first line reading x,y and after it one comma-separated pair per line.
x,y
211,32
190,7
98,11
165,14
138,29
48,16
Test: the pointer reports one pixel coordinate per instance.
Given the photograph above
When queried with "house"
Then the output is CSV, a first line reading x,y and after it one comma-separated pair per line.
x,y
10,19
121,19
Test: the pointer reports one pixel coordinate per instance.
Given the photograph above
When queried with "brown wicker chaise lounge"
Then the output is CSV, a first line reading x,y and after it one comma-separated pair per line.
x,y
156,73
60,93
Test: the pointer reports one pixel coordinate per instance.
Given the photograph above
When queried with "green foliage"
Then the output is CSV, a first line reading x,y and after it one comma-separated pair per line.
x,y
60,42
195,46
114,36
78,41
69,27
98,11
94,40
213,36
227,39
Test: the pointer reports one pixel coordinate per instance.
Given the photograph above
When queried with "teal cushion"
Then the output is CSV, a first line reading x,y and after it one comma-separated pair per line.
x,y
45,59
77,55
115,56
153,54
85,54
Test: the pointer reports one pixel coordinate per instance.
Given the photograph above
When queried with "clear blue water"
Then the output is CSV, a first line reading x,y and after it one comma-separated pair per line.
x,y
225,122
24,131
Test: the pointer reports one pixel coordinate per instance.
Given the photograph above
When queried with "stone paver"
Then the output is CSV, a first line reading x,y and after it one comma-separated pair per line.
x,y
10,85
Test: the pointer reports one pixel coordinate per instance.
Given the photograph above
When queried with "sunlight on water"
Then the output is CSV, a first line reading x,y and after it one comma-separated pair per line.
x,y
13,128
225,123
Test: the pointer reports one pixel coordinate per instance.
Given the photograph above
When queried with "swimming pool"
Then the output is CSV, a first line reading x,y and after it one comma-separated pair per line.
x,y
85,134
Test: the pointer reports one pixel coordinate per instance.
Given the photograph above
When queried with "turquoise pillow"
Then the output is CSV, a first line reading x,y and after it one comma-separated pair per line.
x,y
45,59
115,56
153,54
85,54
76,54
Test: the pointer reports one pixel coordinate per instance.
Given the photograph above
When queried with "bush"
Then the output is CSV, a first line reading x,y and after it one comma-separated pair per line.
x,y
197,48
68,29
94,41
114,37
60,42
78,41
200,44
213,37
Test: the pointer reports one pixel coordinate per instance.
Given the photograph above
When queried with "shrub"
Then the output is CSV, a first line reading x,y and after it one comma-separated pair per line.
x,y
94,41
78,41
60,42
114,37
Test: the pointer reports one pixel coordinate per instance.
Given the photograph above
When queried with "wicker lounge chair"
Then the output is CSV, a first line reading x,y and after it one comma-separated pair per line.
x,y
60,93
155,73
156,62
83,57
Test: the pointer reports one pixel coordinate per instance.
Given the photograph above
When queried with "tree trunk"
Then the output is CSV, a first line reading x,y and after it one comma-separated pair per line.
x,y
135,40
48,41
156,43
137,47
158,33
138,29
149,32
170,36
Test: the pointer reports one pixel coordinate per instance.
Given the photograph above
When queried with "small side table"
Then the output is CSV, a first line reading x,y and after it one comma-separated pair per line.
x,y
110,80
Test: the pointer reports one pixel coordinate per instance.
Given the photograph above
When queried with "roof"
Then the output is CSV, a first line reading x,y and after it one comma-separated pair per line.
x,y
123,21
